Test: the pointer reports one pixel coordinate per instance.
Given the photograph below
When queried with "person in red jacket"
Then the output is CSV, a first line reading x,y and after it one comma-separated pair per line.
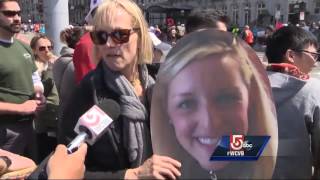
x,y
248,35
82,57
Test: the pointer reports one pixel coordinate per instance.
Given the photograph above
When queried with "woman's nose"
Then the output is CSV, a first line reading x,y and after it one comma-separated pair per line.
x,y
209,117
110,42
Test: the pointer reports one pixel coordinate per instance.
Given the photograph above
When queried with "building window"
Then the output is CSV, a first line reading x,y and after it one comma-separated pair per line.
x,y
156,18
261,8
247,13
208,3
203,3
224,9
235,14
317,8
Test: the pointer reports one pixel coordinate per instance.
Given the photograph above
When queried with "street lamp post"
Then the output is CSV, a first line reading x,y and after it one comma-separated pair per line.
x,y
56,19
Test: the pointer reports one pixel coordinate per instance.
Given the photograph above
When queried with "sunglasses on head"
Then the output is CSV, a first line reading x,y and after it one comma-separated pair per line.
x,y
9,13
118,36
43,48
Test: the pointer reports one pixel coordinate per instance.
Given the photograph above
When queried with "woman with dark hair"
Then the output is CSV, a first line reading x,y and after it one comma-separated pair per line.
x,y
63,68
292,53
45,121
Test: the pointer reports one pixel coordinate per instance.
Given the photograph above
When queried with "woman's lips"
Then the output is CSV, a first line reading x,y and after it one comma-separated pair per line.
x,y
207,140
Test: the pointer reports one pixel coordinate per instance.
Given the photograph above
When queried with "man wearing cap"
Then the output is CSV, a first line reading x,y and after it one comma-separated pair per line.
x,y
82,57
160,50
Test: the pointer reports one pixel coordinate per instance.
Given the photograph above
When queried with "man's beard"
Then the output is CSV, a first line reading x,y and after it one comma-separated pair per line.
x,y
14,27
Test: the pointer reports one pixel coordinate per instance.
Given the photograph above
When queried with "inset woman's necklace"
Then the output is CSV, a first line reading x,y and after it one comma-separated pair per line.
x,y
213,175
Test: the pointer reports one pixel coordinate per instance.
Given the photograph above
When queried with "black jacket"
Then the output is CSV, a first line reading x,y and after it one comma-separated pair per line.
x,y
107,158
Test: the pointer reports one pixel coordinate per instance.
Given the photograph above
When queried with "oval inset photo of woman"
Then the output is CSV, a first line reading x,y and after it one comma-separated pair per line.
x,y
211,85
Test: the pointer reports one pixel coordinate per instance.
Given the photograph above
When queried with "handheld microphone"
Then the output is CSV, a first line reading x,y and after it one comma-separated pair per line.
x,y
93,123
108,110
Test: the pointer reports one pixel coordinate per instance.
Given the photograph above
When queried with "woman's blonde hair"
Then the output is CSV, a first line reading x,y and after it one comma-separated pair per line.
x,y
261,110
138,21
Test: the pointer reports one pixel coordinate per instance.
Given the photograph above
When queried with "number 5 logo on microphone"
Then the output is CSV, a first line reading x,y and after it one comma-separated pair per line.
x,y
92,117
236,142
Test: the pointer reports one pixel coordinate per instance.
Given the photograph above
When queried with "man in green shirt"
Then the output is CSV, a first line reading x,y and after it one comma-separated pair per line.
x,y
17,69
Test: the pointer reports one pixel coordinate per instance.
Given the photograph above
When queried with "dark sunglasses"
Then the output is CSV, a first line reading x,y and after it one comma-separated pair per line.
x,y
315,55
119,36
43,48
9,13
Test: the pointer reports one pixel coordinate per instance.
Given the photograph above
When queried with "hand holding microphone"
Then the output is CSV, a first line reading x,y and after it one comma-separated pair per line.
x,y
90,126
73,164
94,123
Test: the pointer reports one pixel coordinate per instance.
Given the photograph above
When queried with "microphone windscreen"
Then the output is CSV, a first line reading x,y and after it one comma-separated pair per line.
x,y
110,107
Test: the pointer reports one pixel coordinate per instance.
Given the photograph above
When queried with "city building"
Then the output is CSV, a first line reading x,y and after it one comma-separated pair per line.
x,y
32,11
241,12
78,10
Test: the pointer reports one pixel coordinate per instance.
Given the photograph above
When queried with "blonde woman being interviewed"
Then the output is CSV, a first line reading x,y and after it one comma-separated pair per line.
x,y
121,38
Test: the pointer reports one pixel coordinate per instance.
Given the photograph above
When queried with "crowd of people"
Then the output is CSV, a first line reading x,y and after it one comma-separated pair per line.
x,y
179,91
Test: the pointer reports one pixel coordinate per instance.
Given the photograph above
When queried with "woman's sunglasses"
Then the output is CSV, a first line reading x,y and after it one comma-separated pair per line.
x,y
118,36
9,13
43,48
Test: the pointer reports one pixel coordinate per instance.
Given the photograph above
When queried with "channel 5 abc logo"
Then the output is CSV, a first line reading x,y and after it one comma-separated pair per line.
x,y
239,148
238,143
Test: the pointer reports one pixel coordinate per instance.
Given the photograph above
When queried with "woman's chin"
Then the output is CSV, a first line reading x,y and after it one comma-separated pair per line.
x,y
214,165
114,66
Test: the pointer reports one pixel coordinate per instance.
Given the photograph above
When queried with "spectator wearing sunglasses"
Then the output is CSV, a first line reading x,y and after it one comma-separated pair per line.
x,y
292,53
46,121
17,102
42,48
121,37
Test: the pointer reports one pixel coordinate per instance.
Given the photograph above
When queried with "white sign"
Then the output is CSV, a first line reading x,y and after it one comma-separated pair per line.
x,y
301,16
277,15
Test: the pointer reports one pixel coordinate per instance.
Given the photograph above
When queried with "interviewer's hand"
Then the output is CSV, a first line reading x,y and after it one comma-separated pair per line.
x,y
67,166
156,167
